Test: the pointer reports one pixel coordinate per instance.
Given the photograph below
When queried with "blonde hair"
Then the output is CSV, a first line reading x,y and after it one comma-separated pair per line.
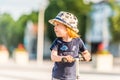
x,y
72,33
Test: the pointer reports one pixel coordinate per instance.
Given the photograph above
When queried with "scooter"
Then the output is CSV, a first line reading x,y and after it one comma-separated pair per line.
x,y
77,63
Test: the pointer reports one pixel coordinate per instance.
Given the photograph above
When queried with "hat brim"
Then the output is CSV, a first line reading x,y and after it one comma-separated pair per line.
x,y
51,21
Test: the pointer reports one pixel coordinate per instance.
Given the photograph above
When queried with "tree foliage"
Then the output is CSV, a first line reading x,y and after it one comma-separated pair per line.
x,y
7,29
12,32
115,21
21,23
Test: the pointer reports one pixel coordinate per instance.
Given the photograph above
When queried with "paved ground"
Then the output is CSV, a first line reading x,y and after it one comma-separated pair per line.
x,y
34,71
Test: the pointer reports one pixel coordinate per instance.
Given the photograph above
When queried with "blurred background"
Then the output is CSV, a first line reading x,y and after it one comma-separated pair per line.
x,y
26,36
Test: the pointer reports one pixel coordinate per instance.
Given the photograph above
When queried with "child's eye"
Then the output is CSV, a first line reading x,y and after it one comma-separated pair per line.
x,y
56,24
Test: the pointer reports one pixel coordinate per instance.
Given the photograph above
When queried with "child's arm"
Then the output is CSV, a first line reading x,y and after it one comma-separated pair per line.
x,y
56,58
86,55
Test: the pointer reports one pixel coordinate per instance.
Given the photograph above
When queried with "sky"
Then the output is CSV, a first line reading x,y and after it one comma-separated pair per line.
x,y
18,7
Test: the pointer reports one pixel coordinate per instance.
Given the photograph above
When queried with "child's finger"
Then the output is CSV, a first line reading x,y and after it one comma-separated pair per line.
x,y
70,58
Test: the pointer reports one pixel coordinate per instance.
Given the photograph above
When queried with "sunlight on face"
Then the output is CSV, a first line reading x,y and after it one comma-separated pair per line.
x,y
60,29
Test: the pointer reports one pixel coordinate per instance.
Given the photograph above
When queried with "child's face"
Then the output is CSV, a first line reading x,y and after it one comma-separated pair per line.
x,y
60,29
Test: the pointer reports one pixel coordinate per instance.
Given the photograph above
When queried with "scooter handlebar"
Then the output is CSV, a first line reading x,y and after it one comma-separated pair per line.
x,y
80,59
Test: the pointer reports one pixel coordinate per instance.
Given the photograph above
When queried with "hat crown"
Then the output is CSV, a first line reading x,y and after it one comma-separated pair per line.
x,y
69,19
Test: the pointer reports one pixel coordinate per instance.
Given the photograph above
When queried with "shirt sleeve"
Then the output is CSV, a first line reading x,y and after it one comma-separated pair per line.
x,y
82,46
54,45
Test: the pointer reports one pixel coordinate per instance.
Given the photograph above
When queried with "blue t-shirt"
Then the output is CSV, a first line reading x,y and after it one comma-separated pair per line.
x,y
66,71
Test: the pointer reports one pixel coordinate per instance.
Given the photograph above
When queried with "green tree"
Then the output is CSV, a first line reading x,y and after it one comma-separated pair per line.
x,y
7,28
115,21
21,24
11,32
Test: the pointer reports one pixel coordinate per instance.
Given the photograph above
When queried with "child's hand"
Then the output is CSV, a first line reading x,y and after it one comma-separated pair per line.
x,y
69,58
86,55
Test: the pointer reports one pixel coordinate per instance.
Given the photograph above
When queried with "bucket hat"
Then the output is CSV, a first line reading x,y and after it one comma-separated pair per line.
x,y
66,18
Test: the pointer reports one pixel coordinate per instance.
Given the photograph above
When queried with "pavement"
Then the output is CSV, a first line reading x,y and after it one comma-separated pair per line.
x,y
30,71
42,71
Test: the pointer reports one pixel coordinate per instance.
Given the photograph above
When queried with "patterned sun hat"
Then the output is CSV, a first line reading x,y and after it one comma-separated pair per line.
x,y
67,19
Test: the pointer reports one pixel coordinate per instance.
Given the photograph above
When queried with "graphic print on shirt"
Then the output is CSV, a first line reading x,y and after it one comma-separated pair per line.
x,y
73,48
63,48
